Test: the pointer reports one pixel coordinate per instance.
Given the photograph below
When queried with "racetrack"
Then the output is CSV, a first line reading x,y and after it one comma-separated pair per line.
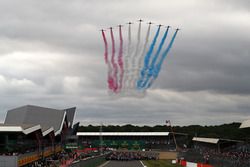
x,y
123,164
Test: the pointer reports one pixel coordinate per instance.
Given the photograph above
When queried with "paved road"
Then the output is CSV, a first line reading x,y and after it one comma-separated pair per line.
x,y
123,164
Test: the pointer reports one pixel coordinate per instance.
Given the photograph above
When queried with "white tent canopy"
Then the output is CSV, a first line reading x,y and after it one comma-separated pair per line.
x,y
213,140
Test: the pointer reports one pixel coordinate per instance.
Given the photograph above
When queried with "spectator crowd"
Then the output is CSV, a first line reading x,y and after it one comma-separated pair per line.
x,y
132,155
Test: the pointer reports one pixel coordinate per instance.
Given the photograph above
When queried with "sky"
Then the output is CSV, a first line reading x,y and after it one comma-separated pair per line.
x,y
51,55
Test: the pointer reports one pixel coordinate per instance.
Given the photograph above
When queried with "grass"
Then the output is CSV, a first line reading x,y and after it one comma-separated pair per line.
x,y
159,163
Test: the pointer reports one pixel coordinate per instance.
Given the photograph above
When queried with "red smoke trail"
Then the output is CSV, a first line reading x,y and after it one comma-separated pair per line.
x,y
110,79
115,70
106,47
120,60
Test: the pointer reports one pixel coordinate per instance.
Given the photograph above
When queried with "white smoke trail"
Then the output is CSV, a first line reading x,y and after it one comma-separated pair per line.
x,y
126,60
134,58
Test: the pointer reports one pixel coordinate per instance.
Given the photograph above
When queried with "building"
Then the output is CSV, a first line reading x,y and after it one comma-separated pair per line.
x,y
30,133
218,144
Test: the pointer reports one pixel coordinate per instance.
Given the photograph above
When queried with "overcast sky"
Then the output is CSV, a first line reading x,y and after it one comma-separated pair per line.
x,y
51,55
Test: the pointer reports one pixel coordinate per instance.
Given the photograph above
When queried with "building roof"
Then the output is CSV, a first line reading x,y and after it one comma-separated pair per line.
x,y
214,140
122,133
47,130
245,124
49,119
24,128
206,140
70,115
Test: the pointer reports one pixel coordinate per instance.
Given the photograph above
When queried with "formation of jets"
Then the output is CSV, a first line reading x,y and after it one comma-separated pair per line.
x,y
140,20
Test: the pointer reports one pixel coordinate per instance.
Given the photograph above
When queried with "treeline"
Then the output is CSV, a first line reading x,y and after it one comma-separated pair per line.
x,y
226,131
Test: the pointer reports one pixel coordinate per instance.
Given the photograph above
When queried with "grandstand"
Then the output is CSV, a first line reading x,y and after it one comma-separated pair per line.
x,y
154,141
31,133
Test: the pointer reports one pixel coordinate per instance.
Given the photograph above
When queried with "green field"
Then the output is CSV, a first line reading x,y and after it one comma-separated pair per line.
x,y
159,163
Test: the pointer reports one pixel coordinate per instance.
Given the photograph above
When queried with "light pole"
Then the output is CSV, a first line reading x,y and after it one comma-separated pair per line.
x,y
168,123
101,140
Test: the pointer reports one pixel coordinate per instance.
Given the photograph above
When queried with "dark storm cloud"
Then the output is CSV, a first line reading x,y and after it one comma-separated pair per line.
x,y
51,53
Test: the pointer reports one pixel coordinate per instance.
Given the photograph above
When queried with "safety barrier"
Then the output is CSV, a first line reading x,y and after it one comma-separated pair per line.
x,y
28,158
192,164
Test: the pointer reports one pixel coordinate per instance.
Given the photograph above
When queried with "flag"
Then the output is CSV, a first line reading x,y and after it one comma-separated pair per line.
x,y
168,123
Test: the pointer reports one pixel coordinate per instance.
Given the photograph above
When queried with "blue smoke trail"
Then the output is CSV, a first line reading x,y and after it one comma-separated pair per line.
x,y
147,58
150,70
157,69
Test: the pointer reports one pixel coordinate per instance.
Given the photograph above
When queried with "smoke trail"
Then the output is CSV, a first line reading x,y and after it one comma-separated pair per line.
x,y
126,58
120,61
134,58
114,83
147,58
110,78
137,45
151,67
106,47
129,40
140,61
157,69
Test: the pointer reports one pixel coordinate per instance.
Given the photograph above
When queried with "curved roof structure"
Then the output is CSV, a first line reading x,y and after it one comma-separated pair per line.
x,y
24,128
70,115
47,130
49,119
